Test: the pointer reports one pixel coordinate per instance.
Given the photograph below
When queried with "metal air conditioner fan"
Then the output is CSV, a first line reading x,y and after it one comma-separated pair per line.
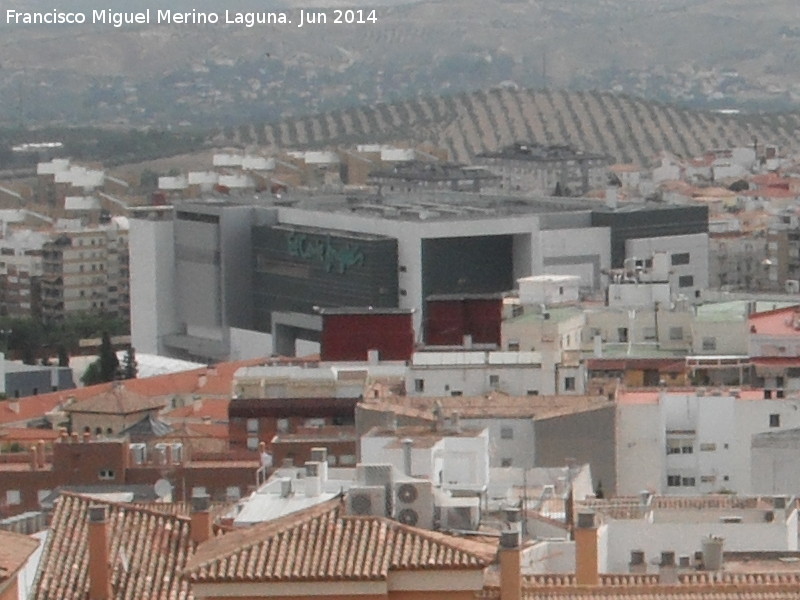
x,y
407,493
408,516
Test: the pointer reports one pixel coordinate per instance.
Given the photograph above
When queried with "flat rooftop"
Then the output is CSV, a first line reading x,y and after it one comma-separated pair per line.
x,y
434,206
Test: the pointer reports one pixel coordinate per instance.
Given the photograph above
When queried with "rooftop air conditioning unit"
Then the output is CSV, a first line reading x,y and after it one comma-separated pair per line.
x,y
377,474
413,503
366,501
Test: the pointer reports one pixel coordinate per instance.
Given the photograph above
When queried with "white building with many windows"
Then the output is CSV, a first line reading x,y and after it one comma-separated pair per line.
x,y
694,442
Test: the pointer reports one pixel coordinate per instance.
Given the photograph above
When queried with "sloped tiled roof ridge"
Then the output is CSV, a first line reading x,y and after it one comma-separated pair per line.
x,y
148,551
324,544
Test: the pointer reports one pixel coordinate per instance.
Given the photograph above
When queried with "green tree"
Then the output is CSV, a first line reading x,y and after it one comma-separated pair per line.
x,y
129,366
92,375
108,361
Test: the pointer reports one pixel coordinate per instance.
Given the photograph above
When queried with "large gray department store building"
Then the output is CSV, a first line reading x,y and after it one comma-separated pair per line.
x,y
218,279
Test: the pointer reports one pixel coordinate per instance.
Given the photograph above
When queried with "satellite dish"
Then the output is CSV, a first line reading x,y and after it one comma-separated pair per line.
x,y
163,489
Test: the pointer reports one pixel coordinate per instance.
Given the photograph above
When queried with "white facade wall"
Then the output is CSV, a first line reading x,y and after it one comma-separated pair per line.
x,y
549,289
774,465
638,294
583,251
152,283
724,337
688,444
515,451
641,457
454,462
685,538
478,379
696,245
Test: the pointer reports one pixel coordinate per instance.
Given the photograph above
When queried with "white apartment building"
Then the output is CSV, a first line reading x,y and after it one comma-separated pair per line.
x,y
694,442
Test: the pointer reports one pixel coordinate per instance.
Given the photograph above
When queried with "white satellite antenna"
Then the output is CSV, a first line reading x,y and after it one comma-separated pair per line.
x,y
163,489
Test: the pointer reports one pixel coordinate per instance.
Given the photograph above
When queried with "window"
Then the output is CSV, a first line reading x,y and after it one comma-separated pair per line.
x,y
283,425
507,433
774,420
232,493
347,459
649,333
673,447
569,384
673,480
419,385
687,448
494,380
42,494
106,474
532,392
708,447
685,281
622,334
252,425
707,478
252,443
199,490
676,333
13,497
513,345
505,462
456,393
681,258
688,482
709,343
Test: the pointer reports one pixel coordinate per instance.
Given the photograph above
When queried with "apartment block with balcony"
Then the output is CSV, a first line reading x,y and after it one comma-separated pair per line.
x,y
86,270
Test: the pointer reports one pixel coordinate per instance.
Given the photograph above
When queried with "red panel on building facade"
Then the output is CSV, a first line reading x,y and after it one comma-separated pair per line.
x,y
449,320
351,335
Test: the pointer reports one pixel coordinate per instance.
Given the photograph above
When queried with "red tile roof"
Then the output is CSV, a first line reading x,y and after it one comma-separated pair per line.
x,y
148,549
116,401
15,549
216,381
321,544
22,410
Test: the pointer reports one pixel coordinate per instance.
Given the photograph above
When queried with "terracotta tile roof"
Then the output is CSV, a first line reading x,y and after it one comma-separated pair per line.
x,y
116,401
148,549
15,549
694,586
321,544
27,434
491,405
27,409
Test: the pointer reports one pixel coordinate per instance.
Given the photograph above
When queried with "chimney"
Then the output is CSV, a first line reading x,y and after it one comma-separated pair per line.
x,y
312,480
320,455
407,444
467,341
13,405
200,527
510,568
41,454
86,436
99,569
34,456
637,564
586,571
74,438
667,570
455,421
373,357
286,487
